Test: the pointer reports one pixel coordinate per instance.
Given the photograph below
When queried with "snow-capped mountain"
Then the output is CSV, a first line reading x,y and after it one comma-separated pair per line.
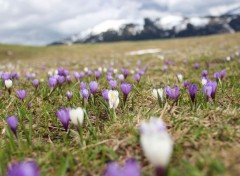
x,y
169,26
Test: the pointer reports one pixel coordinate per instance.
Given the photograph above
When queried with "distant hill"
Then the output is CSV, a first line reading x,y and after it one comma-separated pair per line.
x,y
166,27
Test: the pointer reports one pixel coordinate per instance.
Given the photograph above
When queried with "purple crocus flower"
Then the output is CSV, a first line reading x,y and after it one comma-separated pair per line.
x,y
52,82
84,93
64,117
137,77
35,83
216,75
130,168
113,84
81,75
207,91
185,84
61,80
68,78
222,74
204,73
125,72
172,92
89,72
24,168
196,65
21,94
139,63
5,76
105,94
126,89
83,85
93,85
192,89
76,75
69,95
12,122
164,68
60,71
97,74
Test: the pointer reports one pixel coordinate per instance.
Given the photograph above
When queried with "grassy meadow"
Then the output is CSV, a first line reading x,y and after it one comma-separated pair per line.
x,y
206,135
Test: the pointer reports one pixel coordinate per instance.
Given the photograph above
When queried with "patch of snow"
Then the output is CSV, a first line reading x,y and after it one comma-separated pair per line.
x,y
142,52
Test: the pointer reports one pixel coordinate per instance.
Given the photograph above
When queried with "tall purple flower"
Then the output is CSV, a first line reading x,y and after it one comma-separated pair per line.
x,y
52,82
93,85
64,117
222,74
126,89
130,168
12,122
105,94
35,83
172,92
21,94
192,89
81,75
113,84
24,168
84,93
69,95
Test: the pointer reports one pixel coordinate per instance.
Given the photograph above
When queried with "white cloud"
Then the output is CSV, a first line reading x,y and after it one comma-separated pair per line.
x,y
41,22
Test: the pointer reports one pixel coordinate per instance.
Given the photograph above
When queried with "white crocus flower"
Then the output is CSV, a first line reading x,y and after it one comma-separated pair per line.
x,y
50,73
180,77
85,69
156,142
121,77
100,69
76,116
132,72
156,92
204,81
8,83
104,70
115,70
113,97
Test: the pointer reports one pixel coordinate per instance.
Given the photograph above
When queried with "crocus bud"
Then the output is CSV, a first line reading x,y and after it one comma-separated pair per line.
x,y
63,116
76,116
113,97
130,168
97,74
185,84
21,94
83,85
8,83
61,80
24,168
12,122
121,77
204,81
93,85
156,142
69,95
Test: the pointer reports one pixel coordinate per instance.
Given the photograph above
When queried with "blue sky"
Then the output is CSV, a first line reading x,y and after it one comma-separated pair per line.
x,y
39,22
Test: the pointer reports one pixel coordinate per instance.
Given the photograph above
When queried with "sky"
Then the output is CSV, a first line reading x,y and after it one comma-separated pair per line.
x,y
39,22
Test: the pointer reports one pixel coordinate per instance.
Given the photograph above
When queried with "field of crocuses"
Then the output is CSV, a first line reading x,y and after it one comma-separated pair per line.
x,y
96,110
